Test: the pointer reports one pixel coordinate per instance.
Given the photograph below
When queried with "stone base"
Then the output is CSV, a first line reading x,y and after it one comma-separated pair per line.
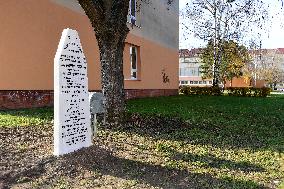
x,y
21,99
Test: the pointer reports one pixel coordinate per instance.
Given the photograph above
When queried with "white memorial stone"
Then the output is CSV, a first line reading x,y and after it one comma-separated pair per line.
x,y
72,129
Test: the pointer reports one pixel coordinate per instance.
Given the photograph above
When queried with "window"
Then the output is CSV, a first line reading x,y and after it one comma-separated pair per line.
x,y
210,82
180,72
132,5
184,72
204,82
184,82
186,60
195,82
133,61
191,82
200,82
199,71
193,72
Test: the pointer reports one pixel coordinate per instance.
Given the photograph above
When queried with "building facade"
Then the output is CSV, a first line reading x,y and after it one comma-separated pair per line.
x,y
31,30
263,67
189,68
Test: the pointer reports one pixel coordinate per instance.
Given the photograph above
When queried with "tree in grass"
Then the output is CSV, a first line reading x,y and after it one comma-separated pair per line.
x,y
272,76
108,19
233,59
221,21
268,66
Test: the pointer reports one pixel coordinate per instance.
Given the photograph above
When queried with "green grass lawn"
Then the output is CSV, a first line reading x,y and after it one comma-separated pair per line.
x,y
26,117
237,138
238,141
232,121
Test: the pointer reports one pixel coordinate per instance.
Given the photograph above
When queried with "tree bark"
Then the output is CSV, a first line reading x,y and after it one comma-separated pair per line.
x,y
109,18
224,82
111,57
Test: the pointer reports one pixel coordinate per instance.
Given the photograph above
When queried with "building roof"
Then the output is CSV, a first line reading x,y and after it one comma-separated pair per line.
x,y
281,50
186,53
267,51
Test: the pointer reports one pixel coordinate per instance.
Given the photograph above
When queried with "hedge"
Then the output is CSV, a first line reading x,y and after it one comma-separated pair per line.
x,y
214,91
248,91
232,91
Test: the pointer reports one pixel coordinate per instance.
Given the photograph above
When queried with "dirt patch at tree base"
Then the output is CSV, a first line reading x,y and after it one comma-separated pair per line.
x,y
27,162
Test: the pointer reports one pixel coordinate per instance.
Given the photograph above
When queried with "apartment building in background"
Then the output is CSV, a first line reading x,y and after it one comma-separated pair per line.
x,y
264,59
31,30
189,68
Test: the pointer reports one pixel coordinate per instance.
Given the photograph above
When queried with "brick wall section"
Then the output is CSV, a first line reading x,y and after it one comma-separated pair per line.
x,y
34,99
141,93
238,82
241,82
260,83
25,99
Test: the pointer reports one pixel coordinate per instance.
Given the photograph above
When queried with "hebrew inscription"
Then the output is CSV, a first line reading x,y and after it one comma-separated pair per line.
x,y
71,104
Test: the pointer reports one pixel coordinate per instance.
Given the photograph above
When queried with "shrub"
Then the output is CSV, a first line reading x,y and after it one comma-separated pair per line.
x,y
265,91
248,91
216,91
232,91
187,90
239,91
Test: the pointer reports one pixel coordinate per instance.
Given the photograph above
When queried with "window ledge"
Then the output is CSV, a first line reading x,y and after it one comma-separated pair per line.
x,y
135,25
132,79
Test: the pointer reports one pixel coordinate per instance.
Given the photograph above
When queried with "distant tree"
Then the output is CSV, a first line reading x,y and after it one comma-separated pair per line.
x,y
233,59
267,66
271,75
223,20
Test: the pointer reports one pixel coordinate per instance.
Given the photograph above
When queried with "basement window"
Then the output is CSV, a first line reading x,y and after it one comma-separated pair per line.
x,y
184,82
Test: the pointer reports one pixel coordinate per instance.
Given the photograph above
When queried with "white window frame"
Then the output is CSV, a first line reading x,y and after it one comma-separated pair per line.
x,y
132,18
131,62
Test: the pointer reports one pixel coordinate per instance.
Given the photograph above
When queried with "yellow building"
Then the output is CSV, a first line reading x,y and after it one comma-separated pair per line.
x,y
30,33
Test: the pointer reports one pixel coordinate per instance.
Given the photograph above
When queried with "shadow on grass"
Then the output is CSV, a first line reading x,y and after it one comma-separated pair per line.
x,y
96,159
214,162
45,112
174,128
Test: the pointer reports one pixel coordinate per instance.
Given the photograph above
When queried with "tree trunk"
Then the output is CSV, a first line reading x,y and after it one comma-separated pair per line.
x,y
111,47
108,19
224,83
111,57
274,86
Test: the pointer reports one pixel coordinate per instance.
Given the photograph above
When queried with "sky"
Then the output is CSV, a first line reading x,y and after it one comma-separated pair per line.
x,y
272,39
